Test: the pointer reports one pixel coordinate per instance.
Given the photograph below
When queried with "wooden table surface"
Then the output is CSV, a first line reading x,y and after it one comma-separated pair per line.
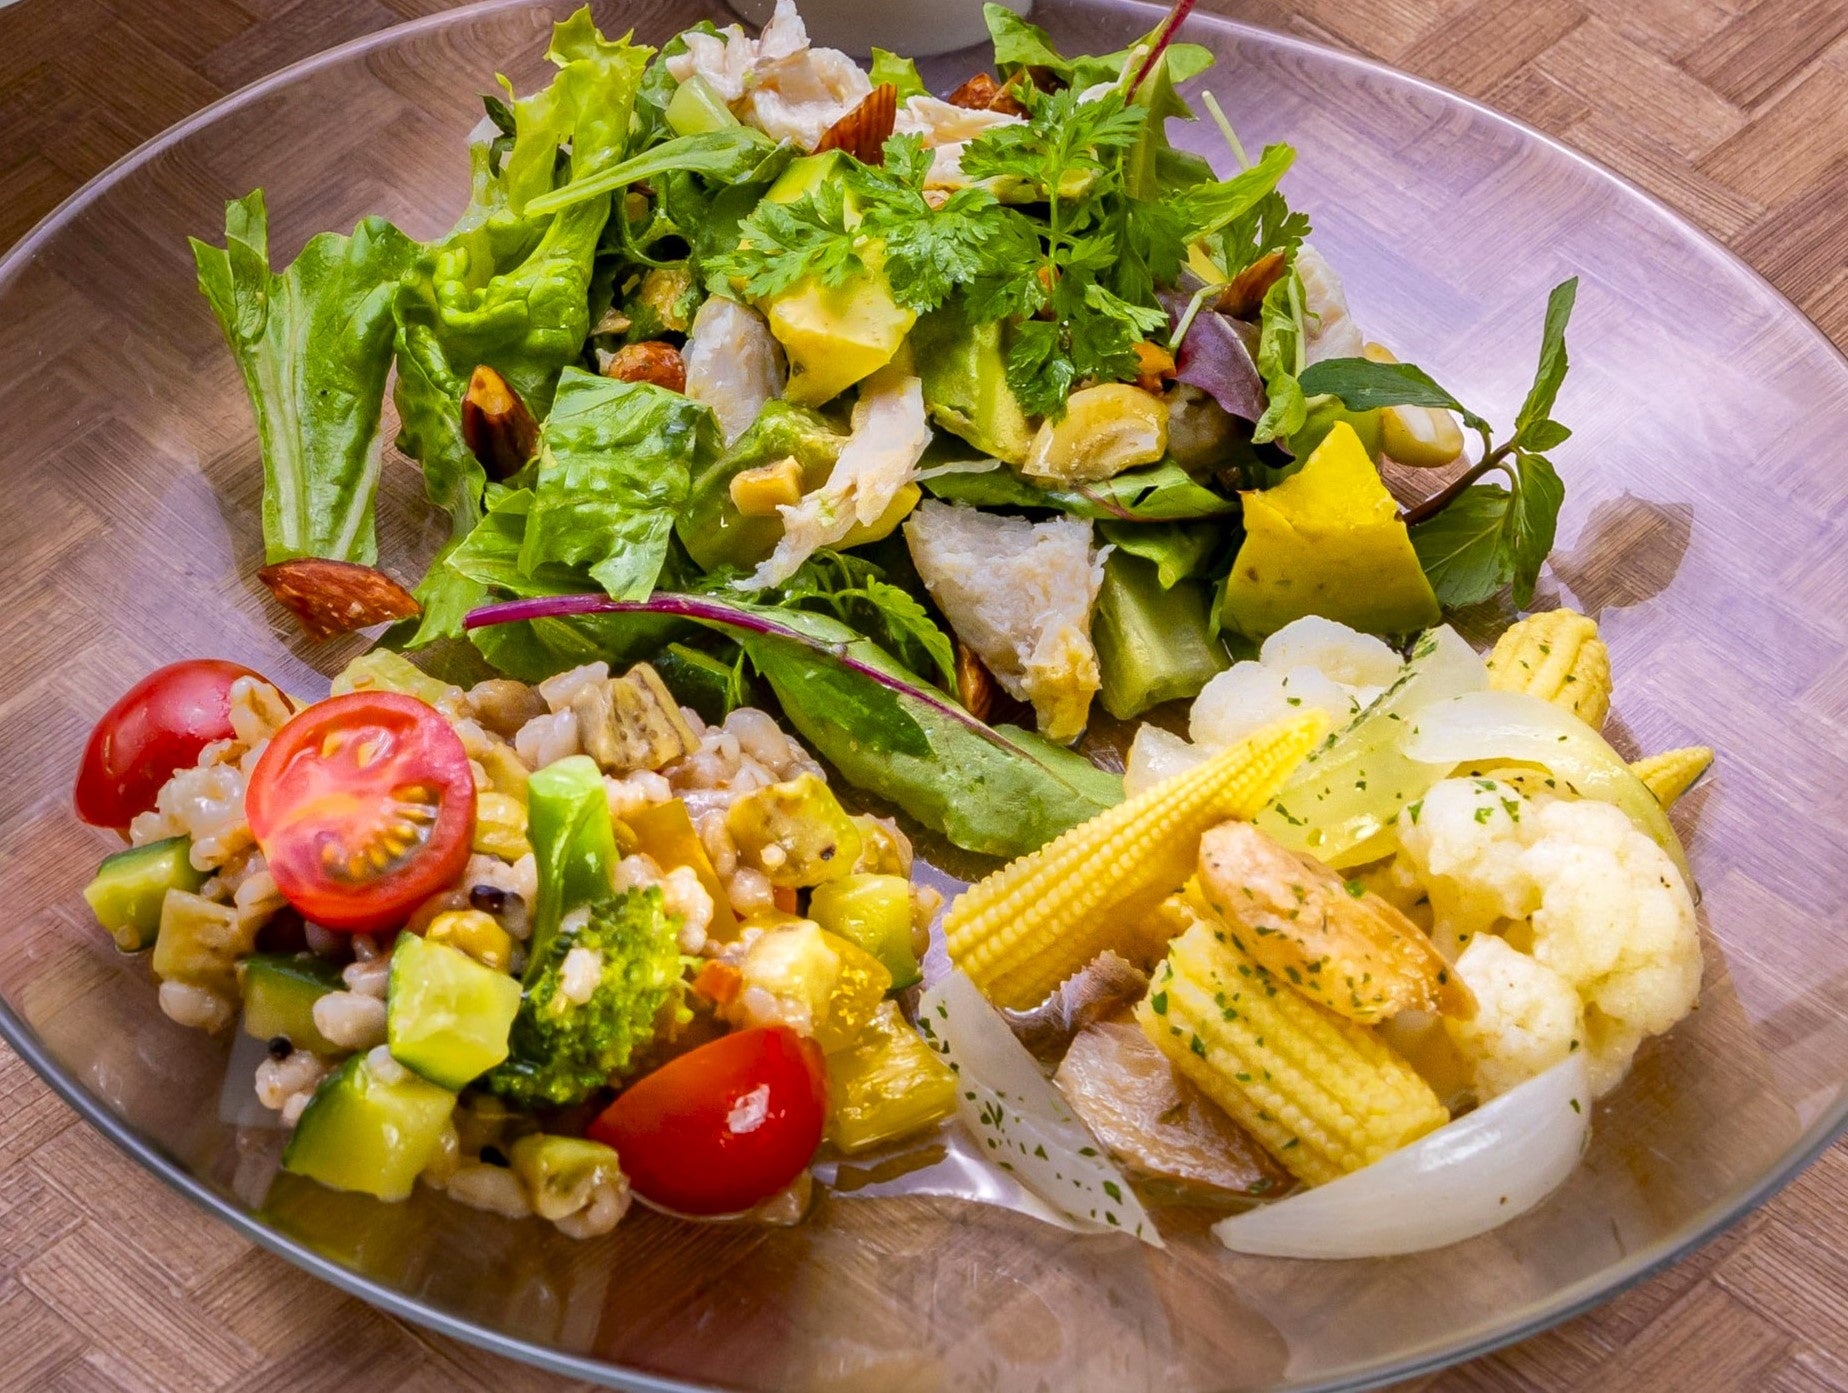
x,y
1757,91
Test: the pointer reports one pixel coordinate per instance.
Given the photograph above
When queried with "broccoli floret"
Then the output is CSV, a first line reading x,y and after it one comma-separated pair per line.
x,y
560,1050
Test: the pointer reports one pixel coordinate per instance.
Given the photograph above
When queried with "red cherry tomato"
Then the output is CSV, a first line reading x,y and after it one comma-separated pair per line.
x,y
723,1126
159,726
364,807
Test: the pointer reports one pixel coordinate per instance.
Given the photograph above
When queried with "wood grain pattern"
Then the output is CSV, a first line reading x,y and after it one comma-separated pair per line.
x,y
1734,112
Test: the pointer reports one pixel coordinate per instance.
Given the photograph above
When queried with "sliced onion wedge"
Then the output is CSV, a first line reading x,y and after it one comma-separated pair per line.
x,y
1021,1122
1480,727
1459,1181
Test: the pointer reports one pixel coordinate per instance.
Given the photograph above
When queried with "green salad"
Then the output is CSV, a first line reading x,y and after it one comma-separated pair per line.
x,y
942,421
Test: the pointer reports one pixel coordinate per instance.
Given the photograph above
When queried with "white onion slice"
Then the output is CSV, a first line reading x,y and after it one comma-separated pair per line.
x,y
1464,1179
1020,1121
1483,726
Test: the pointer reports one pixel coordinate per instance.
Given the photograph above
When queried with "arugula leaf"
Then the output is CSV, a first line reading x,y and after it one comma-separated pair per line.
x,y
614,468
1209,208
1179,550
734,154
900,73
1155,493
314,346
1462,549
857,593
1280,352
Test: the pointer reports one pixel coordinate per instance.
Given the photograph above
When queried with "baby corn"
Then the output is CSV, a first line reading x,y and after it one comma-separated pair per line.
x,y
1558,657
1322,1094
1020,932
1672,773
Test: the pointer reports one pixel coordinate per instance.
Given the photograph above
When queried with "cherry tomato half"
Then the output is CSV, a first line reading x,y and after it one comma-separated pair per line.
x,y
159,726
723,1126
364,807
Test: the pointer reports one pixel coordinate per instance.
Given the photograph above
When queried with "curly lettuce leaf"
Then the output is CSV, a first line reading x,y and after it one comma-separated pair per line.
x,y
314,345
615,465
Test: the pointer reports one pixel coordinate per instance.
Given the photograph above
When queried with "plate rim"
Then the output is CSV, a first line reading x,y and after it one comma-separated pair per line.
x,y
1824,1131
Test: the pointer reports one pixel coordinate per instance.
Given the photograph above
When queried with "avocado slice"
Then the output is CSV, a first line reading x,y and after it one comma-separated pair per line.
x,y
1153,645
1328,541
280,990
836,335
361,1132
446,1015
806,173
128,888
964,378
711,528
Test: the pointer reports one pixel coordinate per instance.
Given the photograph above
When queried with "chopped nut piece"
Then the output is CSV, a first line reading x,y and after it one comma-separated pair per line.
x,y
1332,939
864,131
975,685
496,424
977,94
759,492
653,361
337,597
1244,294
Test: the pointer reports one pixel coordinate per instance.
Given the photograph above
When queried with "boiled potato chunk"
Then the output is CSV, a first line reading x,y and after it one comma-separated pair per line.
x,y
1328,541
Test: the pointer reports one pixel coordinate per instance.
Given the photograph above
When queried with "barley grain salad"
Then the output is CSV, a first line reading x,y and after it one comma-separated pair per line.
x,y
834,465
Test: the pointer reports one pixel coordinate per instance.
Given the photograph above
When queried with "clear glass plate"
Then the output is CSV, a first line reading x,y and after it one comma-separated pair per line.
x,y
1703,530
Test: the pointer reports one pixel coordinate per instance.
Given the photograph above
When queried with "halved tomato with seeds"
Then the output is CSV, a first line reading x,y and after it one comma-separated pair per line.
x,y
364,806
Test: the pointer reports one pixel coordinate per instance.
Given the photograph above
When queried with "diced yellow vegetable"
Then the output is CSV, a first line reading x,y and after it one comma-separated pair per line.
x,y
887,1084
1323,1095
864,533
666,834
474,933
1558,657
759,492
795,832
500,826
506,774
823,982
1021,931
1672,773
1328,541
873,911
200,942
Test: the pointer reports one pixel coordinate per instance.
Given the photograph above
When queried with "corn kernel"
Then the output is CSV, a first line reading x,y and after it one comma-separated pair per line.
x,y
759,492
477,934
500,826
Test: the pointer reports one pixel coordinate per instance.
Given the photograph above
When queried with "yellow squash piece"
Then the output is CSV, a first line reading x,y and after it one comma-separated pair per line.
x,y
1673,772
1324,1095
887,1084
1021,931
1558,657
1328,541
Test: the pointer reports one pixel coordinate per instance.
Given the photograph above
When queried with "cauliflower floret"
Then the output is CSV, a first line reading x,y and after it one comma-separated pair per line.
x,y
1464,841
1602,907
1527,1019
1248,696
1156,754
1020,594
734,364
1339,653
